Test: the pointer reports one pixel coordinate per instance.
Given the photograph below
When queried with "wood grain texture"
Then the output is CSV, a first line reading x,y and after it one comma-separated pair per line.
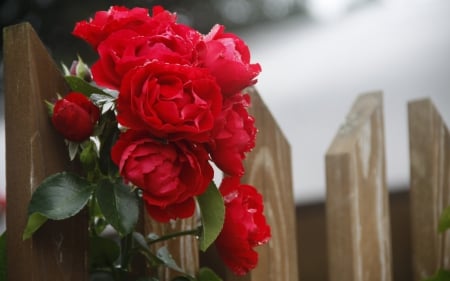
x,y
358,229
184,250
268,168
34,151
430,187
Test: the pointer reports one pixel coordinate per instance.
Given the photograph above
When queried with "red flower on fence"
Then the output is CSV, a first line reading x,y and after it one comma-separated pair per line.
x,y
171,101
227,57
245,226
169,174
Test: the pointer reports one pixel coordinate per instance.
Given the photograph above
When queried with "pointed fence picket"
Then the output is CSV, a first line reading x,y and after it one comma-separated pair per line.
x,y
429,146
357,207
359,236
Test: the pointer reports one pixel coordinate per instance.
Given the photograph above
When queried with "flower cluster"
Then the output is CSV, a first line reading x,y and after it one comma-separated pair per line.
x,y
179,99
175,100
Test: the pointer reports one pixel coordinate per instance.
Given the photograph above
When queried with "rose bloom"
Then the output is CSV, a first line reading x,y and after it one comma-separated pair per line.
x,y
163,40
244,228
124,49
233,135
170,101
74,116
227,57
169,174
117,18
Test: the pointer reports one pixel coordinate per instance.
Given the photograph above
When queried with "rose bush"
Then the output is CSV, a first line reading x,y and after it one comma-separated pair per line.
x,y
159,105
74,116
245,226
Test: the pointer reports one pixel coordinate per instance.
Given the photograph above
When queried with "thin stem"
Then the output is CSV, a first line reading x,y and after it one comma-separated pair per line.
x,y
126,244
195,232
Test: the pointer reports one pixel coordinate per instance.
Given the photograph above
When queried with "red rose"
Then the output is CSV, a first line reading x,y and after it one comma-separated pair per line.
x,y
245,226
171,101
74,116
227,57
233,135
125,49
170,174
116,18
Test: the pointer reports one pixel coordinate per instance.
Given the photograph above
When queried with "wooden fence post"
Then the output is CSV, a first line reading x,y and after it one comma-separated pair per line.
x,y
268,168
358,230
429,142
34,151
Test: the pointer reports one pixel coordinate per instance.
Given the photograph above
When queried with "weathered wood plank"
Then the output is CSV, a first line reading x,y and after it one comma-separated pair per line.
x,y
358,229
430,187
33,151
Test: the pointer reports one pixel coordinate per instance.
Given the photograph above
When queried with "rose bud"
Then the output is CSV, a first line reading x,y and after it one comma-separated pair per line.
x,y
80,69
74,116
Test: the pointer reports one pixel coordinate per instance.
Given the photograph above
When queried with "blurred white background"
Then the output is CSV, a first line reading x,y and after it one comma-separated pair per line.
x,y
313,70
315,66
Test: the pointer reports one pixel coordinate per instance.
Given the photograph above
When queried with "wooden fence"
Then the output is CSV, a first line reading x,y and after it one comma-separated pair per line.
x,y
58,251
360,222
357,207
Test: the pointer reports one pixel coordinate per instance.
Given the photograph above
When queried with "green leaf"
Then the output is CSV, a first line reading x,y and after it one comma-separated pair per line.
x,y
79,85
164,255
104,252
213,214
58,197
119,204
140,241
3,256
34,223
206,274
441,275
444,221
107,140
